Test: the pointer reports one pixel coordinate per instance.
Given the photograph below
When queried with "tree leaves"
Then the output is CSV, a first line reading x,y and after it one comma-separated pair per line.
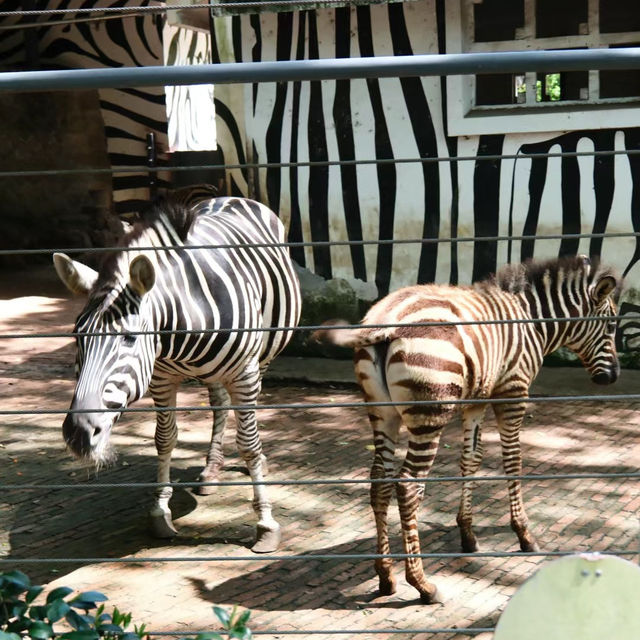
x,y
20,618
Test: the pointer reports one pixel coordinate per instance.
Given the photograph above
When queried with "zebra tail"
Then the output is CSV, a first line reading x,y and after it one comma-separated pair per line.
x,y
351,338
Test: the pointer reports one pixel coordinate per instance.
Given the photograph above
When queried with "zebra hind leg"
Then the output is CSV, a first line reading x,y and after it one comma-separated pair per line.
x,y
244,392
509,418
469,463
218,397
385,424
164,394
421,452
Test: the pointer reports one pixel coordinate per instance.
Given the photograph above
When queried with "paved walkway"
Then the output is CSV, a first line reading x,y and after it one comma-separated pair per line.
x,y
211,562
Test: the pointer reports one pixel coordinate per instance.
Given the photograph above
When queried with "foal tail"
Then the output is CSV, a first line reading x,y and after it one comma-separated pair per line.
x,y
353,338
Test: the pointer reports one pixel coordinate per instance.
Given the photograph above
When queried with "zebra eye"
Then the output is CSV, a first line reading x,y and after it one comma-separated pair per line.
x,y
129,339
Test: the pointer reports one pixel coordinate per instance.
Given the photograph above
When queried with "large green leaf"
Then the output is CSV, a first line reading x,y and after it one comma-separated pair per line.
x,y
57,610
4,635
77,622
17,609
40,630
91,596
243,618
18,579
58,593
33,593
223,616
87,634
38,612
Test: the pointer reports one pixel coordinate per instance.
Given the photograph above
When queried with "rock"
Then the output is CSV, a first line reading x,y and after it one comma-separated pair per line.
x,y
322,300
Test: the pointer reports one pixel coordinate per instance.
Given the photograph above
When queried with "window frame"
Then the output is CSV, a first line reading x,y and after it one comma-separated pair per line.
x,y
465,118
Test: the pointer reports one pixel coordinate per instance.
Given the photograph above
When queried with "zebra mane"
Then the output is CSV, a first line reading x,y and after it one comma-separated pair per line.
x,y
179,208
517,278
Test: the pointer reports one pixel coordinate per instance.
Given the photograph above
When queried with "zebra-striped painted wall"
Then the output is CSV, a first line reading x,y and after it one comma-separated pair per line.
x,y
405,118
128,114
190,108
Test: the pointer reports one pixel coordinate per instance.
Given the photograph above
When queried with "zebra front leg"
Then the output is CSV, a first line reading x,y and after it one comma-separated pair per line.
x,y
164,394
385,425
421,451
244,392
218,397
509,418
469,462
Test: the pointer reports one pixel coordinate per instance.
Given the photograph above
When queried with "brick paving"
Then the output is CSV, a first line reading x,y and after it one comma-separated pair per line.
x,y
292,595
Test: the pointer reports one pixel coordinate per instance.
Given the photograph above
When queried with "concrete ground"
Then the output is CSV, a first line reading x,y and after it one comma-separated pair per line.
x,y
172,585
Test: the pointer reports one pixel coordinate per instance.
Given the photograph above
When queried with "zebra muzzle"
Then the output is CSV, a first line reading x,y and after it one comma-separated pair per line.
x,y
605,377
87,434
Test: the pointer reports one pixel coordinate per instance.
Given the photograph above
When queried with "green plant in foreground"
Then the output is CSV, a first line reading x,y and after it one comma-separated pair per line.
x,y
20,618
234,623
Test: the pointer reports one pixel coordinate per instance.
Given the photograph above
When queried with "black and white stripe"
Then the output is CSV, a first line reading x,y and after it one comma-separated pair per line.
x,y
209,294
401,118
406,362
128,114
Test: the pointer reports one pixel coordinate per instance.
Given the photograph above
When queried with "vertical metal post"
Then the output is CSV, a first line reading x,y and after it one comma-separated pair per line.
x,y
151,162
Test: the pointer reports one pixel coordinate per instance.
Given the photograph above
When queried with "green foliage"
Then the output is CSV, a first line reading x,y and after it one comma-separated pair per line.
x,y
552,88
89,620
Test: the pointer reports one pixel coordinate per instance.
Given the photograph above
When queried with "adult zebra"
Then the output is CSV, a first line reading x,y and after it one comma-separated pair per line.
x,y
206,288
409,363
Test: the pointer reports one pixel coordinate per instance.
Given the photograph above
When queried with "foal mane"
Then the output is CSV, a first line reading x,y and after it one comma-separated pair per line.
x,y
517,278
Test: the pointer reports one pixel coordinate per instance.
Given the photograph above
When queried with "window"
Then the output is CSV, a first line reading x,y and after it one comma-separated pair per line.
x,y
530,101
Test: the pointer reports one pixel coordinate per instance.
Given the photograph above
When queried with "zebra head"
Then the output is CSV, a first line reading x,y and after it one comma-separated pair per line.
x,y
114,361
594,341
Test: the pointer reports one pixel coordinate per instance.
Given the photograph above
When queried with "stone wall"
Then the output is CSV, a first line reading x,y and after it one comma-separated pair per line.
x,y
48,131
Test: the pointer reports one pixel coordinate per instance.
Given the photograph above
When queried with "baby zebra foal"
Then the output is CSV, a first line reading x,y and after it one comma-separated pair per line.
x,y
411,363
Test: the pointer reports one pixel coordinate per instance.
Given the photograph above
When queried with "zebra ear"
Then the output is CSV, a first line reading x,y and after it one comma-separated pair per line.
x,y
603,288
142,275
77,277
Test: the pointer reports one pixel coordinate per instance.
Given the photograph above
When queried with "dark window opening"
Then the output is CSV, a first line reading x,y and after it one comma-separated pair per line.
x,y
500,88
497,19
566,18
620,83
617,16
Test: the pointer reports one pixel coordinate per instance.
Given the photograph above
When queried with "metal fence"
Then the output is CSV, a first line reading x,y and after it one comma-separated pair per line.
x,y
418,65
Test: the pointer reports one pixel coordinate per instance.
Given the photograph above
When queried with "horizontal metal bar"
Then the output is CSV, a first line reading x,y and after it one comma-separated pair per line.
x,y
622,397
315,327
325,69
164,8
320,482
334,632
327,243
315,163
311,557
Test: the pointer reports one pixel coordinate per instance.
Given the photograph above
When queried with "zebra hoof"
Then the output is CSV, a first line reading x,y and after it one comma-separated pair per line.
x,y
387,586
469,545
430,596
207,490
267,540
161,525
529,545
